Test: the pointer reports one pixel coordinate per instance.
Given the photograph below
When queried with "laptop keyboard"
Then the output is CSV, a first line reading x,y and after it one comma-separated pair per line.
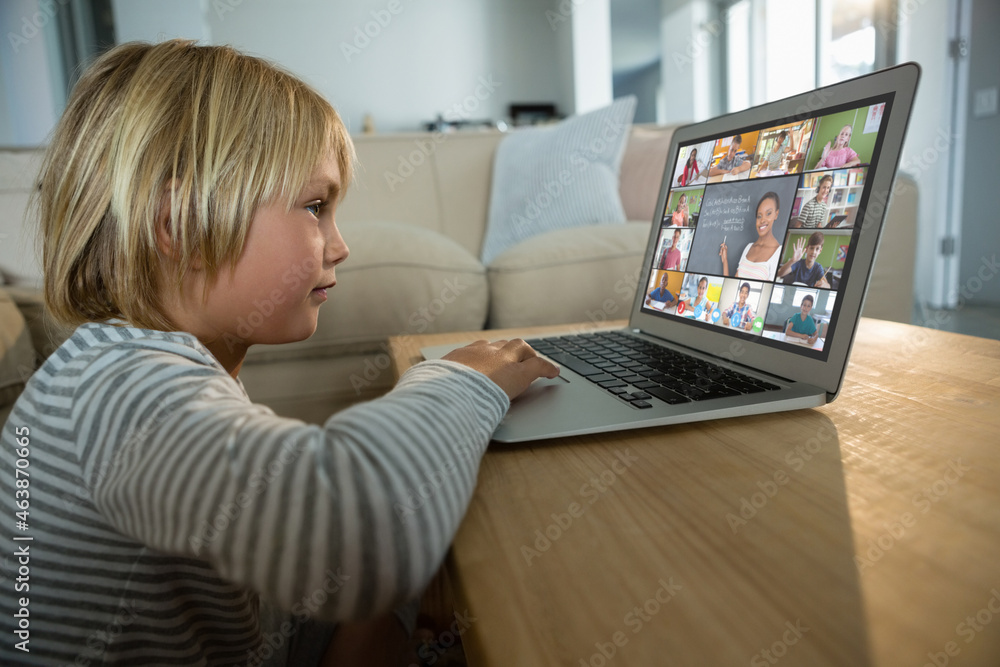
x,y
637,371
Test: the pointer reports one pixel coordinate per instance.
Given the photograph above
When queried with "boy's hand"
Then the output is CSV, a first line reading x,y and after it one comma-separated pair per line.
x,y
512,364
799,250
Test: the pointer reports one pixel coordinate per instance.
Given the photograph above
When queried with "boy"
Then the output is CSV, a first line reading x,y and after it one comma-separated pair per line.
x,y
172,520
802,268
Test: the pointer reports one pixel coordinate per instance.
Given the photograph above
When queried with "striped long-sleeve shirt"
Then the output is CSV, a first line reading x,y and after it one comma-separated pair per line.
x,y
163,505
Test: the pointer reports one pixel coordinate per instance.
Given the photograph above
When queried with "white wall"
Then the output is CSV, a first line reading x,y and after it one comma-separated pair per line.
x,y
688,64
402,61
26,27
155,20
592,77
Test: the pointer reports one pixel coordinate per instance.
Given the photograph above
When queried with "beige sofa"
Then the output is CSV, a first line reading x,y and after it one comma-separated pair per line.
x,y
415,220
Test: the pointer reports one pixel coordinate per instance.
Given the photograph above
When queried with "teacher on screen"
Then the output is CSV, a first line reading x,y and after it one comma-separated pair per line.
x,y
759,260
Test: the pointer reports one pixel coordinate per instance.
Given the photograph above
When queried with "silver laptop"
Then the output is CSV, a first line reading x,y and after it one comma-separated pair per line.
x,y
754,308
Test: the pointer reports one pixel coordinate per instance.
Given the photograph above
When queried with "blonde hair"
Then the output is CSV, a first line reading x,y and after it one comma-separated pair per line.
x,y
203,133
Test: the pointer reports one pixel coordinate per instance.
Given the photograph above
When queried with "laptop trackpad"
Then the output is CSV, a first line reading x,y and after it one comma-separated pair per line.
x,y
543,386
548,382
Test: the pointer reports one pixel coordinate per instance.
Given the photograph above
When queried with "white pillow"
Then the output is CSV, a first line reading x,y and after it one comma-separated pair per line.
x,y
558,176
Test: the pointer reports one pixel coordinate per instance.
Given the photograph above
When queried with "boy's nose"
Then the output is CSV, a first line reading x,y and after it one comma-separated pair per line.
x,y
336,248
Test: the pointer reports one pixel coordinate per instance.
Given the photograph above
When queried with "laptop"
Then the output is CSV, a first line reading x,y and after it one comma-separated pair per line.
x,y
709,341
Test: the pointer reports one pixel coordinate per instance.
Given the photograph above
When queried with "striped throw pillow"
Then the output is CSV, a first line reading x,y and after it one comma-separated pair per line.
x,y
558,176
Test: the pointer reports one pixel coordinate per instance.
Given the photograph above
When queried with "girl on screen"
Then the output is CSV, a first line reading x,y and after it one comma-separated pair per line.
x,y
841,155
679,218
759,260
691,170
699,300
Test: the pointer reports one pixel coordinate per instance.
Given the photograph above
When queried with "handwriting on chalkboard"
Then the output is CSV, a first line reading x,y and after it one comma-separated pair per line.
x,y
727,213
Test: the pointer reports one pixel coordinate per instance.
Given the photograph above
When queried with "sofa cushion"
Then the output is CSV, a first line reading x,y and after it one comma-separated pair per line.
x,y
46,333
642,171
17,355
588,274
399,279
556,177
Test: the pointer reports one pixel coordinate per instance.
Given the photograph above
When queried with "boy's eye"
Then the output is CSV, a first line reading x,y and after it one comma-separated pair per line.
x,y
315,208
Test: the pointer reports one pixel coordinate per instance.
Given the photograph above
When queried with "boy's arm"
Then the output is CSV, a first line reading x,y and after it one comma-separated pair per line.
x,y
785,268
357,514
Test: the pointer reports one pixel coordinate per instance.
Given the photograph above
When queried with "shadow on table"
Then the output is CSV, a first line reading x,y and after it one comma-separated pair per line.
x,y
748,516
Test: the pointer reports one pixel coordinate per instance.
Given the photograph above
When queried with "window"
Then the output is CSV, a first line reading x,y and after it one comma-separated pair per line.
x,y
778,48
830,298
800,293
846,47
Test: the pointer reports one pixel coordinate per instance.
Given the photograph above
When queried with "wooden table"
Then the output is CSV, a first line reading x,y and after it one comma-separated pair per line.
x,y
866,532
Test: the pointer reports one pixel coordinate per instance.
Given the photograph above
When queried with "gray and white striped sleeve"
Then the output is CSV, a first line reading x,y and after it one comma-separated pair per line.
x,y
354,516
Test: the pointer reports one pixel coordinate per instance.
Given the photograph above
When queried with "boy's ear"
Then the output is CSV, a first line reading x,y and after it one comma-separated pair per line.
x,y
164,231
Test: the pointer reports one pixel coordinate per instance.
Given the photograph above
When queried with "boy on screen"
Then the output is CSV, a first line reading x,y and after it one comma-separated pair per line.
x,y
803,268
732,163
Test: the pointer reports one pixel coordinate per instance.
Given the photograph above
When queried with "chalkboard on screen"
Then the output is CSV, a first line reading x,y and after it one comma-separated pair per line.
x,y
729,212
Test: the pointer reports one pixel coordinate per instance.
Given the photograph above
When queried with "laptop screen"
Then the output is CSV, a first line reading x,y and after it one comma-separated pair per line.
x,y
758,227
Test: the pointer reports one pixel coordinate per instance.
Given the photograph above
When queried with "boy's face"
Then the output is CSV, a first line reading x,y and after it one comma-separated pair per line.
x,y
824,190
280,280
812,252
